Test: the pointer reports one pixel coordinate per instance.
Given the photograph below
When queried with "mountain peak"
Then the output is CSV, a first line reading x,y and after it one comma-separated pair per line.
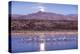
x,y
40,12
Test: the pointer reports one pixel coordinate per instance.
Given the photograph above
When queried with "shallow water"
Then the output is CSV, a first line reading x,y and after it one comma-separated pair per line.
x,y
23,43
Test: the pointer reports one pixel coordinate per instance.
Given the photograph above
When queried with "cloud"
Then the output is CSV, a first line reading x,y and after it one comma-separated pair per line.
x,y
41,8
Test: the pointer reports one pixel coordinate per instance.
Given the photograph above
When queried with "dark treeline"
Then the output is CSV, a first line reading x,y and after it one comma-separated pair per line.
x,y
43,25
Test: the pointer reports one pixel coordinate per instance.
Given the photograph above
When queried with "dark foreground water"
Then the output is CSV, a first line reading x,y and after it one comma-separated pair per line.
x,y
23,43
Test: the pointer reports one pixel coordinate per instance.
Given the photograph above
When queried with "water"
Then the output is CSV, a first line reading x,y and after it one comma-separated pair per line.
x,y
26,43
59,42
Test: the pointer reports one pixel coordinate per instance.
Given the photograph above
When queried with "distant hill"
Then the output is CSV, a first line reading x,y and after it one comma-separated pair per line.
x,y
46,16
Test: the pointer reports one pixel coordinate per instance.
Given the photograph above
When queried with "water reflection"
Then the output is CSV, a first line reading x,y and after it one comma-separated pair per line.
x,y
25,43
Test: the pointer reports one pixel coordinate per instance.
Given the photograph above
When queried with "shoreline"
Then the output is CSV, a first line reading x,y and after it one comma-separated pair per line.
x,y
42,32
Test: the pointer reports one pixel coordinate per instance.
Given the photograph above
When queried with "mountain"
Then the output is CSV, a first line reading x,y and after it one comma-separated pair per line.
x,y
46,16
44,21
72,17
16,16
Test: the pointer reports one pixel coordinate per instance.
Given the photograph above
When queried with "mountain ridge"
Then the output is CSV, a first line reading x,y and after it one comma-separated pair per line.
x,y
46,16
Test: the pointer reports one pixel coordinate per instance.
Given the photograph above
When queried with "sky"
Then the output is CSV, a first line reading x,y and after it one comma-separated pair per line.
x,y
24,8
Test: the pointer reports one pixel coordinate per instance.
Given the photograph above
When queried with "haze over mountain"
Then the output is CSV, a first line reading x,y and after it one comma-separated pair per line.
x,y
46,16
